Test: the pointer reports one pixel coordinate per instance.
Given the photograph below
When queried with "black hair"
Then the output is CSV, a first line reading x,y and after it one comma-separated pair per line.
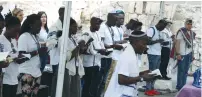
x,y
40,13
95,19
163,21
61,10
111,18
31,19
72,21
1,17
11,21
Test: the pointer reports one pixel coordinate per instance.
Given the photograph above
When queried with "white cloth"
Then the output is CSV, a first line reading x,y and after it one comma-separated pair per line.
x,y
127,31
105,33
27,42
184,50
52,41
56,26
11,72
95,58
128,66
154,49
118,36
42,35
166,34
71,64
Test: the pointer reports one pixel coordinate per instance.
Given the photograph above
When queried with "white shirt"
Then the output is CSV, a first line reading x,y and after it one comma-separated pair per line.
x,y
128,66
127,31
95,58
55,51
184,50
73,63
11,72
27,42
154,49
118,36
166,34
42,35
106,33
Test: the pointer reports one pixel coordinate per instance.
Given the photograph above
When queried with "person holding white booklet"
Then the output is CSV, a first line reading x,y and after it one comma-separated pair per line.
x,y
10,81
127,74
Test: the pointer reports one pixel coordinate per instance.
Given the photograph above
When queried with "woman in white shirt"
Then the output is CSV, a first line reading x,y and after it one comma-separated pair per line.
x,y
43,37
28,43
10,80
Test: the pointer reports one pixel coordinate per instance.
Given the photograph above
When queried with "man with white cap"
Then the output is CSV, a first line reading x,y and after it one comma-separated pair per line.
x,y
126,75
165,51
107,34
184,52
118,40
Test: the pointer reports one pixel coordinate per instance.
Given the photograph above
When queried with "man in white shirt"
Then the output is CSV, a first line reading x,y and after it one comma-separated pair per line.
x,y
154,51
118,40
92,59
53,43
165,51
184,52
126,75
10,80
107,35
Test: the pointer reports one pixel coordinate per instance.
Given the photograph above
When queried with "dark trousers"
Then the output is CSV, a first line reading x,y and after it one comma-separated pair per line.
x,y
183,68
9,90
103,74
165,56
90,84
54,80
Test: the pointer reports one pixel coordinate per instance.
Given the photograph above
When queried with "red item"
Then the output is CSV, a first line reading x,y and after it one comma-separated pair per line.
x,y
155,92
172,54
149,93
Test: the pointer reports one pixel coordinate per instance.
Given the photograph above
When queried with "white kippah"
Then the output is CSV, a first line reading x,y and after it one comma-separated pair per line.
x,y
137,35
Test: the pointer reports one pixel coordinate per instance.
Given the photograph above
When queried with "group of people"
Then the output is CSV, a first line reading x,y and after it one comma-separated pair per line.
x,y
103,60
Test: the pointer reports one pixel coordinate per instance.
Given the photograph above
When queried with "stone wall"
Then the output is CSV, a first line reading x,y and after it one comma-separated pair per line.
x,y
146,12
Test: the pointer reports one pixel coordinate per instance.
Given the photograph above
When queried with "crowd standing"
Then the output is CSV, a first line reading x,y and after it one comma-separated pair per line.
x,y
103,60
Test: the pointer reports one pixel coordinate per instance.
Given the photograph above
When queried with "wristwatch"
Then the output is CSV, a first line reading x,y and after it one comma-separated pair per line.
x,y
141,79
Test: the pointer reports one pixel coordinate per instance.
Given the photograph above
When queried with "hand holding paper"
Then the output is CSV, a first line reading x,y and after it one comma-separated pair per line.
x,y
156,72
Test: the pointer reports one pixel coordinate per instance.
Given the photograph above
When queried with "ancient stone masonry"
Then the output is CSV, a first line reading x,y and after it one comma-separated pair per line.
x,y
146,12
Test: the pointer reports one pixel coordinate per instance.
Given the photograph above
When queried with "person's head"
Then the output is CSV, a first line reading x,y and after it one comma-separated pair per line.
x,y
95,23
2,23
111,19
161,25
137,26
138,40
1,8
17,12
32,24
73,27
188,24
12,25
43,16
120,17
61,13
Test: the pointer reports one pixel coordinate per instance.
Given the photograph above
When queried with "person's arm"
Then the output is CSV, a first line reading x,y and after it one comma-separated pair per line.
x,y
150,33
125,80
3,64
179,37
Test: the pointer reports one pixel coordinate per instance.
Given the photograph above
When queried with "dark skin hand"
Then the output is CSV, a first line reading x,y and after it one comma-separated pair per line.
x,y
151,42
80,48
4,64
125,80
